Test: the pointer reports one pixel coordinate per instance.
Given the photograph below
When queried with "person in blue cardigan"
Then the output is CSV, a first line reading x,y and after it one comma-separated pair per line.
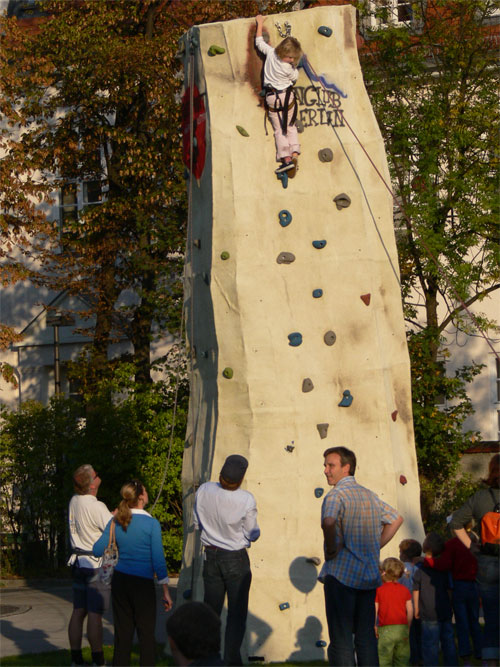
x,y
141,557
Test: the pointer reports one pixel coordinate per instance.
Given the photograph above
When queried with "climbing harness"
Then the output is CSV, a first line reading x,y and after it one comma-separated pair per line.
x,y
279,107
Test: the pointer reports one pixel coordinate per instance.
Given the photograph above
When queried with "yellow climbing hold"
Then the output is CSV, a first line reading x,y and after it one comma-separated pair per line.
x,y
242,131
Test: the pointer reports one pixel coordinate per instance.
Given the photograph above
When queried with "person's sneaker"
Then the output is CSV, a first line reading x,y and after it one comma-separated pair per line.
x,y
284,166
291,173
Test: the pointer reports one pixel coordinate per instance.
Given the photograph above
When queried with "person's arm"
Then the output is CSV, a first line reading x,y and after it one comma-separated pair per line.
x,y
389,530
330,537
167,600
463,536
251,528
409,611
157,555
102,542
259,20
376,618
415,603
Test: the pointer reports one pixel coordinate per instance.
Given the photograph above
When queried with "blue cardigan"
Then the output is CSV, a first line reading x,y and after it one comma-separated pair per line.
x,y
140,547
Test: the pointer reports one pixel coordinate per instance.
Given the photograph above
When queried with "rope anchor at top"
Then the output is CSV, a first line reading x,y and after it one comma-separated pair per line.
x,y
287,29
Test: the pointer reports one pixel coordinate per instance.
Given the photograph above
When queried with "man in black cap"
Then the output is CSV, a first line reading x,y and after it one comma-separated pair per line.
x,y
226,515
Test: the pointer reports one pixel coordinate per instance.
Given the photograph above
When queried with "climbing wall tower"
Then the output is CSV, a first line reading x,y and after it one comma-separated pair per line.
x,y
295,323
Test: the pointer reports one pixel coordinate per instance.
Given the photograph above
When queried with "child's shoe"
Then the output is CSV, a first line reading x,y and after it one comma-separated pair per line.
x,y
284,166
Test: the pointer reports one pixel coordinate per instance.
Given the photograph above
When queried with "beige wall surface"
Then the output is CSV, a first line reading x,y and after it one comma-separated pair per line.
x,y
242,309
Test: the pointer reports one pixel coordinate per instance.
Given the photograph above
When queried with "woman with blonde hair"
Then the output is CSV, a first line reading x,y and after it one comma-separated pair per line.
x,y
141,557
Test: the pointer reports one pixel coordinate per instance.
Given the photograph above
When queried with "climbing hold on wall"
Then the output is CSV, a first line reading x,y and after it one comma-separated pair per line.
x,y
224,254
366,298
318,492
299,125
285,217
322,430
403,480
325,155
394,415
346,399
187,594
215,50
307,385
317,293
295,339
283,177
314,560
330,337
325,31
319,244
197,243
321,643
285,258
284,605
289,448
227,373
342,201
206,278
204,354
242,131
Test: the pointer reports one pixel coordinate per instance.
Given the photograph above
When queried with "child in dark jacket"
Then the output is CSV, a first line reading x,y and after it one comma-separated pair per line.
x,y
432,605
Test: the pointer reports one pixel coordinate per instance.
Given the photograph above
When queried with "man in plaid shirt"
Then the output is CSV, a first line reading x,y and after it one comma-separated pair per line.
x,y
356,524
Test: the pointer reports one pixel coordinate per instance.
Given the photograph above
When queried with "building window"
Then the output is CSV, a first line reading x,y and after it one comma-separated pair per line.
x,y
383,13
73,198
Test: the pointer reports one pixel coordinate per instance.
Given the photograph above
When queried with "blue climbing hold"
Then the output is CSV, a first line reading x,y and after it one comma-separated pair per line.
x,y
318,492
285,217
317,293
283,177
284,605
295,339
325,31
319,244
321,643
346,399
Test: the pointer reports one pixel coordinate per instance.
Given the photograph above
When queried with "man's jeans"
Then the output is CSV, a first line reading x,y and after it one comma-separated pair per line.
x,y
488,574
229,572
434,632
350,611
465,599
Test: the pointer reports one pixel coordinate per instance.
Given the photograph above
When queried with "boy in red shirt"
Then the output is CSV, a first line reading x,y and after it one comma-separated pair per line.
x,y
394,609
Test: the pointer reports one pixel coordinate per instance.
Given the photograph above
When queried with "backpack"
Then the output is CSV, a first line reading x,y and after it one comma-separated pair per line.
x,y
490,530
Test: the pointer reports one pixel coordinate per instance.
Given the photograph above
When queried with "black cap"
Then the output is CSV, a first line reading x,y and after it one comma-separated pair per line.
x,y
234,468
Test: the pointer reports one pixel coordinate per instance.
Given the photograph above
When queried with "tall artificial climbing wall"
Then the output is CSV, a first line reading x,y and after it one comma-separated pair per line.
x,y
295,323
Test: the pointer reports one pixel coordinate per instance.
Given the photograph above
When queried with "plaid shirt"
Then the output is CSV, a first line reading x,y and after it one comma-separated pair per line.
x,y
360,515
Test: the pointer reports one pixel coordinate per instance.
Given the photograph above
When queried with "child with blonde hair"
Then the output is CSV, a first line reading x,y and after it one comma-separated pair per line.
x,y
394,610
280,74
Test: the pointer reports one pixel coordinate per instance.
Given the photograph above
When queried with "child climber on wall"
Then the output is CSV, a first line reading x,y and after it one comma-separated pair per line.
x,y
280,73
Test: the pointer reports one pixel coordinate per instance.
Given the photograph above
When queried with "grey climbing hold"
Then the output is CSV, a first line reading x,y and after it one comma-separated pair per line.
x,y
325,155
285,217
215,50
319,244
299,125
314,560
342,201
325,31
295,339
285,258
197,243
227,373
307,385
317,293
283,177
224,254
206,278
284,605
330,337
322,430
242,131
346,399
318,492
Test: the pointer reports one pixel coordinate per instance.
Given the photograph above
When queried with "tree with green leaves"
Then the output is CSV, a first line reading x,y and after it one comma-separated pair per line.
x,y
433,83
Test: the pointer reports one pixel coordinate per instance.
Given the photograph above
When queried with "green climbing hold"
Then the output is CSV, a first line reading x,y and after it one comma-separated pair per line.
x,y
215,50
224,254
227,373
242,131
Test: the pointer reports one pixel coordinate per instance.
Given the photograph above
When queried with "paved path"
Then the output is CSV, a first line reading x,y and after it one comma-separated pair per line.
x,y
34,617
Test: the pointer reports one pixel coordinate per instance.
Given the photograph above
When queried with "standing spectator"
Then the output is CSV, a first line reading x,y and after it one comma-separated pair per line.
x,y
140,548
87,519
462,564
410,552
431,601
394,609
227,518
194,635
482,502
356,524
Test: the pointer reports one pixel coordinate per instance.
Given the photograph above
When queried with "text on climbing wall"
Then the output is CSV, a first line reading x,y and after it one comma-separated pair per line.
x,y
318,106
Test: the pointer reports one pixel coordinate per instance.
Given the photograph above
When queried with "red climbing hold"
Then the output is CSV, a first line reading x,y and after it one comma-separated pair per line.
x,y
197,133
365,298
403,480
394,415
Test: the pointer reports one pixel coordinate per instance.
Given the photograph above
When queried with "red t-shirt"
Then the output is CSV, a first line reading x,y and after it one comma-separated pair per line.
x,y
392,598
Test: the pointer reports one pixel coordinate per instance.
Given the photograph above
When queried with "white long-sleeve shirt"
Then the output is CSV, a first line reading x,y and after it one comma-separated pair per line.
x,y
277,74
226,519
